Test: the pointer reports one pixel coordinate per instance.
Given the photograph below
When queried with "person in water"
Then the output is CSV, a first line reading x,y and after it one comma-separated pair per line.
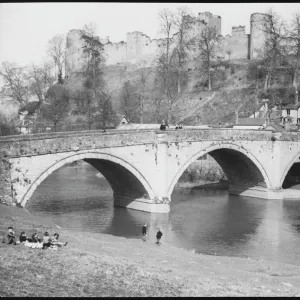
x,y
54,240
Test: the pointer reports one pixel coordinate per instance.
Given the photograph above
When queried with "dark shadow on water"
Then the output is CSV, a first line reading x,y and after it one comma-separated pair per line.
x,y
221,185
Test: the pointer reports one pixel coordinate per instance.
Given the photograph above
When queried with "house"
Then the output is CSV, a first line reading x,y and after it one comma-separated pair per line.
x,y
291,114
27,115
263,110
275,127
121,120
250,123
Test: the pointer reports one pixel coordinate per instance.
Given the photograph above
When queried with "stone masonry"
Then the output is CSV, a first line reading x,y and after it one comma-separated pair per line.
x,y
141,49
144,166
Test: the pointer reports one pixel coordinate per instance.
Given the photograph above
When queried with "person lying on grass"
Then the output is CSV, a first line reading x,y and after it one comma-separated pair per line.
x,y
54,240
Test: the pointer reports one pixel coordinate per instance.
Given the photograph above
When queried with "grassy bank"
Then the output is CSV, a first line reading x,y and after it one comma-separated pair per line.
x,y
103,265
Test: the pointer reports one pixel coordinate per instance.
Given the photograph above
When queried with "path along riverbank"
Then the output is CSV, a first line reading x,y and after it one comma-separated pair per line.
x,y
103,265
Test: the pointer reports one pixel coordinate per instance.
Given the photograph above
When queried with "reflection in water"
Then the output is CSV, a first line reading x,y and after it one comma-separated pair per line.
x,y
209,221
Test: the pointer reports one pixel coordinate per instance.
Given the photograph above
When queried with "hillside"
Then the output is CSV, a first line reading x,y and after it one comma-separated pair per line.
x,y
232,88
194,105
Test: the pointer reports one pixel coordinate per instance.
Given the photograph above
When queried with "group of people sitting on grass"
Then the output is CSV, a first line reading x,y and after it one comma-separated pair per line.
x,y
34,242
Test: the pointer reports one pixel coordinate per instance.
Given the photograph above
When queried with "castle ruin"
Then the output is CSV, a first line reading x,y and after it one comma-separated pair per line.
x,y
141,49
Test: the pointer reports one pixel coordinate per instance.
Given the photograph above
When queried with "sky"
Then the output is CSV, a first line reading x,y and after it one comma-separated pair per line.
x,y
25,28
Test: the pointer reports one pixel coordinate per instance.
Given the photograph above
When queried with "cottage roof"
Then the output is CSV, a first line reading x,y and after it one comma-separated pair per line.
x,y
119,119
251,122
133,126
275,127
292,106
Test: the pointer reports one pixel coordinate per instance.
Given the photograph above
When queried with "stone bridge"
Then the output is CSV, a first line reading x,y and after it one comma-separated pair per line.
x,y
143,167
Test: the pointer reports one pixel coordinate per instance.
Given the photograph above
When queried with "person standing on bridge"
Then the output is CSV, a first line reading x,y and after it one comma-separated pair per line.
x,y
163,125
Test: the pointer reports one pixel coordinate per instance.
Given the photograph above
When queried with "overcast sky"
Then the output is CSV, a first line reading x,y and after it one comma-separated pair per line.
x,y
25,28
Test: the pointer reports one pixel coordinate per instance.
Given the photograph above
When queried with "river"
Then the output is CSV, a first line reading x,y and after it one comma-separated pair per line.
x,y
208,221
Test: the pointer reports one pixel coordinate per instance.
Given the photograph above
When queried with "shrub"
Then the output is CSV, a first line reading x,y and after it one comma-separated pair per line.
x,y
7,127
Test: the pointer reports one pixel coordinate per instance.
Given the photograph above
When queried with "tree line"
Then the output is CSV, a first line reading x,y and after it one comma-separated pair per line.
x,y
159,85
49,86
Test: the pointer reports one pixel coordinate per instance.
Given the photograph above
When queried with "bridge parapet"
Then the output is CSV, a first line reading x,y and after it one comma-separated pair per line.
x,y
37,144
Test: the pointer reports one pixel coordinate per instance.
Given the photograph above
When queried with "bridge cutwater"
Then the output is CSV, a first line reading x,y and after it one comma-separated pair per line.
x,y
143,166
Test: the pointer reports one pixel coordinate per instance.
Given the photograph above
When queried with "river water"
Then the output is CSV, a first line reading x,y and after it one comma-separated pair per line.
x,y
207,220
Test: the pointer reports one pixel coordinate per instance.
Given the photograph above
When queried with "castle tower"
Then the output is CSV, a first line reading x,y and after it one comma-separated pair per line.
x,y
75,57
257,36
211,20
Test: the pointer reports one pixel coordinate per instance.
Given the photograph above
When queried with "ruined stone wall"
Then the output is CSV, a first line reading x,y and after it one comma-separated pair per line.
x,y
257,36
211,20
238,43
75,57
115,53
140,49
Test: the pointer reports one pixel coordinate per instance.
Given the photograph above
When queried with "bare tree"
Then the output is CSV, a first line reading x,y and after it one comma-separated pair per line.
x,y
57,51
57,104
273,49
167,26
293,54
105,114
144,74
41,78
16,85
209,43
129,104
229,52
183,22
94,82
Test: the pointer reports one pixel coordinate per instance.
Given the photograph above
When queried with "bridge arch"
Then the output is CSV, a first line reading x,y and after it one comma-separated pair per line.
x,y
93,157
214,150
295,159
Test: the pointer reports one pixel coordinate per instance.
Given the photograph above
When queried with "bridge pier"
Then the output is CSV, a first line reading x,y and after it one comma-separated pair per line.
x,y
142,204
6,194
257,192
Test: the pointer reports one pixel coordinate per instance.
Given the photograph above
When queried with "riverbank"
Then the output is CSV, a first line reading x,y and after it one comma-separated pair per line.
x,y
103,265
201,184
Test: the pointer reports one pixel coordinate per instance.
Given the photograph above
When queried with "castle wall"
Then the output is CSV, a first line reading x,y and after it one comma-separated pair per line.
x,y
257,36
140,49
211,20
115,53
237,42
75,57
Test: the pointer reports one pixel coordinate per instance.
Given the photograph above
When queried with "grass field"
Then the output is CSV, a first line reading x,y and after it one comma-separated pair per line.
x,y
103,265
